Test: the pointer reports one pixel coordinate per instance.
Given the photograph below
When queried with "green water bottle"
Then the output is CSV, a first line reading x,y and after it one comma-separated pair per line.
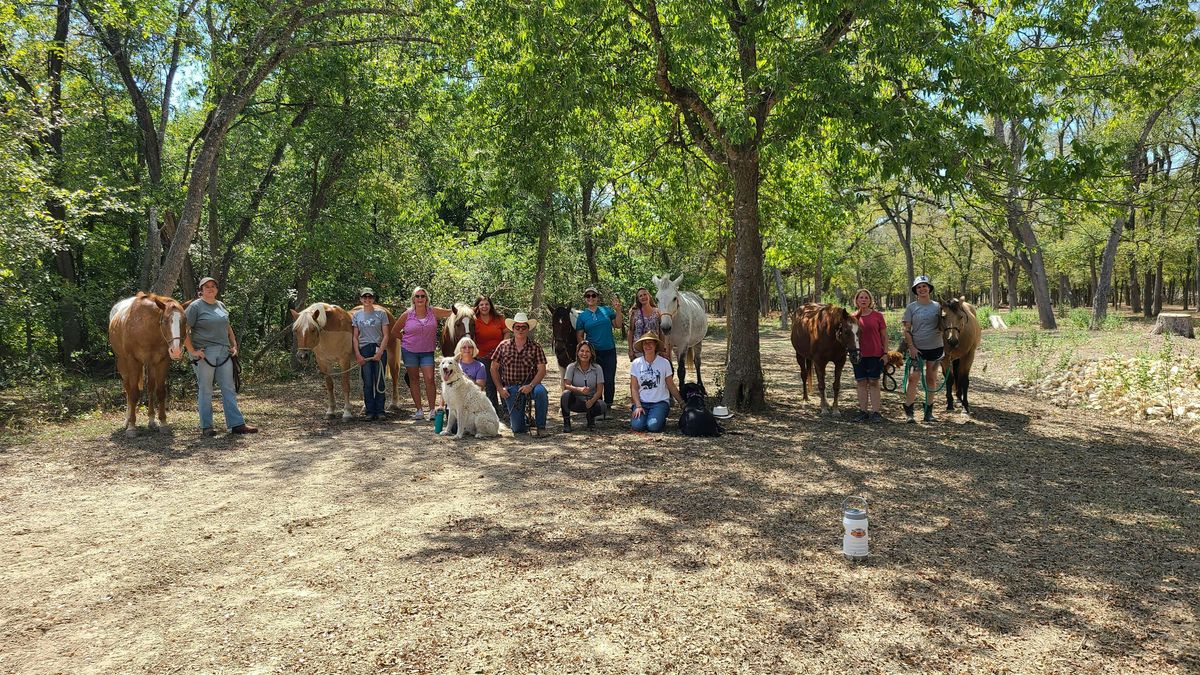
x,y
439,419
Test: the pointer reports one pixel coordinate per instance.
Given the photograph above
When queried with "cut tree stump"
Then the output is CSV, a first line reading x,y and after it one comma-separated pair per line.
x,y
1175,323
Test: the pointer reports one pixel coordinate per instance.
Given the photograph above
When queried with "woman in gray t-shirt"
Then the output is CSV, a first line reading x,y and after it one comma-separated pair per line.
x,y
211,344
924,338
583,387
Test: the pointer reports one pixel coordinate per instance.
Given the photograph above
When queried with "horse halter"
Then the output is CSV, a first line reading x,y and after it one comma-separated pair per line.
x,y
163,328
948,329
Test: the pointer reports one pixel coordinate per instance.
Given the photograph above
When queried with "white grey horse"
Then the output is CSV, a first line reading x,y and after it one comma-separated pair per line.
x,y
684,322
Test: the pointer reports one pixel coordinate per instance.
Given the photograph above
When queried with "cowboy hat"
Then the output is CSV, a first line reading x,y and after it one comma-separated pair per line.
x,y
520,317
721,412
648,335
922,279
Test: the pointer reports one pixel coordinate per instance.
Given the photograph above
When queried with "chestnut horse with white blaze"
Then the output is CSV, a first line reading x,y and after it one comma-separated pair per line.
x,y
820,334
324,331
960,333
146,332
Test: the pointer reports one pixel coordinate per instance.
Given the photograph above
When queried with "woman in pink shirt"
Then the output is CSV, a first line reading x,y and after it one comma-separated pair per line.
x,y
417,329
873,344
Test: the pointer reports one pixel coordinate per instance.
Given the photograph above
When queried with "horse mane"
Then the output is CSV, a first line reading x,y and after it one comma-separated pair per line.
x,y
305,317
157,299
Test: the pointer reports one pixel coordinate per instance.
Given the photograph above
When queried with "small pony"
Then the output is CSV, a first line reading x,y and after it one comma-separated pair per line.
x,y
697,419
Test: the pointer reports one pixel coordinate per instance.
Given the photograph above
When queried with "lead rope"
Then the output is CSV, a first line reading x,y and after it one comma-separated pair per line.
x,y
919,361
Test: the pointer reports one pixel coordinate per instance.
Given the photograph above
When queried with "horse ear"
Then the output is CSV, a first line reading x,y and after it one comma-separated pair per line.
x,y
678,279
654,278
158,301
294,314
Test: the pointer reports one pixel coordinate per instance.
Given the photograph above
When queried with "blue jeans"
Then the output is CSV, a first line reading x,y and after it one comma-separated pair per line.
x,y
653,417
607,358
516,407
374,391
205,375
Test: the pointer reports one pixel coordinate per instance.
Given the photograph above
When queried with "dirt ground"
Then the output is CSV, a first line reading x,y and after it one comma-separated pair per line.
x,y
1030,539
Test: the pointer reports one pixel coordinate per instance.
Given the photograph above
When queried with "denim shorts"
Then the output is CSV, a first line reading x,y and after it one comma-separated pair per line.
x,y
416,359
868,368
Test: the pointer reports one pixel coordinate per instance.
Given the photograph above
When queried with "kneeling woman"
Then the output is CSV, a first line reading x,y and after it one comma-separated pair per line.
x,y
583,386
651,385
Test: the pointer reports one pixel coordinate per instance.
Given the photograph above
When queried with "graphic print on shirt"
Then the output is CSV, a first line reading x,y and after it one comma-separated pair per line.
x,y
649,378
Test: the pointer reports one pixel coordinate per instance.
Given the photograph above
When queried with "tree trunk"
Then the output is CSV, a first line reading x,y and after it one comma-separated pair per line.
x,y
994,296
539,279
71,326
1175,323
1064,291
1158,286
744,384
587,183
784,316
819,276
1011,272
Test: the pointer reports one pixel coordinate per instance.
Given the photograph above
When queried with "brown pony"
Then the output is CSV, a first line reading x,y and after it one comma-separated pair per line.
x,y
820,334
146,332
960,333
459,324
324,331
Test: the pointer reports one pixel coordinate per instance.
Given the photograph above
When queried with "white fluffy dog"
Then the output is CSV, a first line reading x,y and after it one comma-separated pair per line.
x,y
468,404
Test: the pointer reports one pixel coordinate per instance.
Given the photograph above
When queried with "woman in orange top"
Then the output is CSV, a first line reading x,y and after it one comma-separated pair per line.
x,y
489,332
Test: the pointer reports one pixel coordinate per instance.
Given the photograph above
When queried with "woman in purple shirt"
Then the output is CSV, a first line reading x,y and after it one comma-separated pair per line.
x,y
417,329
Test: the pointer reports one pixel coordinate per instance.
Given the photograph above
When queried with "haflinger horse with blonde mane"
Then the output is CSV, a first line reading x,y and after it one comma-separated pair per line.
x,y
960,334
460,324
684,322
324,331
146,333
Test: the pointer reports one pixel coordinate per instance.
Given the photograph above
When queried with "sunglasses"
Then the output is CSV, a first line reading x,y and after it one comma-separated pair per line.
x,y
420,297
590,295
364,297
521,326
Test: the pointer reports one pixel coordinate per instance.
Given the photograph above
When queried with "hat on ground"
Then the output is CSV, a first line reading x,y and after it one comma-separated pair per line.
x,y
922,279
366,290
521,317
721,412
648,335
205,280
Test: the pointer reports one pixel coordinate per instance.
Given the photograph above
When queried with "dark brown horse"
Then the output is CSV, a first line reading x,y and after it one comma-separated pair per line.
x,y
820,334
562,326
146,332
960,334
460,324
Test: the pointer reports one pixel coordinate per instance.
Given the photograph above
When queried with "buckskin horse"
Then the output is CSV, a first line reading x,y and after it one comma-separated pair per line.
x,y
324,331
820,334
960,333
683,320
146,332
566,340
459,324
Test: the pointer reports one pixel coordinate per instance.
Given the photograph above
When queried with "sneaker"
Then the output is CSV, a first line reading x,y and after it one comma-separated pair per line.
x,y
419,414
908,415
566,426
208,432
929,414
860,416
244,429
875,418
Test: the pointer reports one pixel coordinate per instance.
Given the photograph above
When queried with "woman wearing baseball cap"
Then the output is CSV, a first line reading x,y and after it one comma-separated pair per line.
x,y
211,344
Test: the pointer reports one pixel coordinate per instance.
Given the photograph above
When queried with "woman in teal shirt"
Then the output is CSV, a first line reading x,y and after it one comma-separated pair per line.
x,y
595,325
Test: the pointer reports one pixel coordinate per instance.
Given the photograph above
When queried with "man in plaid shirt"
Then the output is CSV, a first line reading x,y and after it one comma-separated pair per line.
x,y
518,366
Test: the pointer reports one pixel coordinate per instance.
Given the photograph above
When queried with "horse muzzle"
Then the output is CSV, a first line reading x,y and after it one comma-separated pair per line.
x,y
303,355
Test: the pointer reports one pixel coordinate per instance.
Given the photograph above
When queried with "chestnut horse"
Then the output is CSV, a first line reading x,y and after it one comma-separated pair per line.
x,y
566,339
146,332
460,323
324,331
820,334
960,334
